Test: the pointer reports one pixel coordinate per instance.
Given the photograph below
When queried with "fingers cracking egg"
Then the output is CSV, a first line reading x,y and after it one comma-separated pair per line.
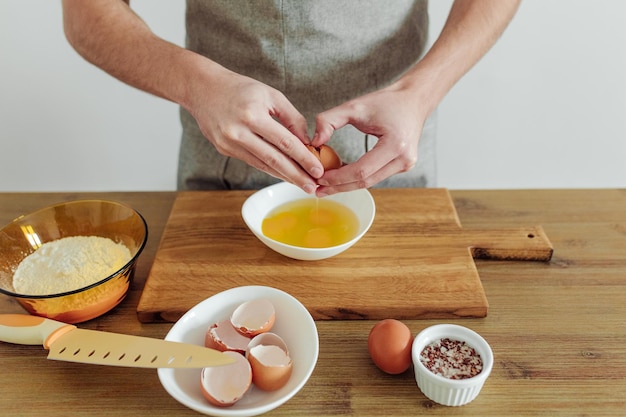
x,y
327,156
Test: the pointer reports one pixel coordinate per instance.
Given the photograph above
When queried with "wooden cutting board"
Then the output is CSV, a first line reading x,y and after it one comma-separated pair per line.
x,y
416,261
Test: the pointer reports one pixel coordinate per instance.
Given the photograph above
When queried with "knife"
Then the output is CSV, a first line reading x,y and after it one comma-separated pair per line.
x,y
66,342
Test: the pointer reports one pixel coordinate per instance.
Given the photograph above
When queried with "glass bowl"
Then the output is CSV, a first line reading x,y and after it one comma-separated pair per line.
x,y
108,219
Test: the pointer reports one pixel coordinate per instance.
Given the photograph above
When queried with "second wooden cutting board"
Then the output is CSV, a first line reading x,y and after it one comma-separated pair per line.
x,y
416,261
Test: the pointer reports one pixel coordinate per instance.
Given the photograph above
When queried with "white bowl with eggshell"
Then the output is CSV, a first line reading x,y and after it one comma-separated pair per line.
x,y
256,208
436,382
293,323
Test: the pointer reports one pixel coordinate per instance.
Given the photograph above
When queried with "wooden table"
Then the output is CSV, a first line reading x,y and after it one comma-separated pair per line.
x,y
557,329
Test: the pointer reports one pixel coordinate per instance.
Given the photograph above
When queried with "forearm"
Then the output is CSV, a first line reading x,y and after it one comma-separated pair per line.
x,y
111,36
472,28
241,117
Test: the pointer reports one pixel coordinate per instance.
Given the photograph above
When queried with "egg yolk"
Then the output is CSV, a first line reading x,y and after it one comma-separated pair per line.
x,y
311,223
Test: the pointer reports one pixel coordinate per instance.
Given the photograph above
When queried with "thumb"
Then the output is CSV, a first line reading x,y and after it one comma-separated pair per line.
x,y
327,122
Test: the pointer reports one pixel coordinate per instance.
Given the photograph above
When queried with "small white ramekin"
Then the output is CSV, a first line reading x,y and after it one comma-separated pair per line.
x,y
445,391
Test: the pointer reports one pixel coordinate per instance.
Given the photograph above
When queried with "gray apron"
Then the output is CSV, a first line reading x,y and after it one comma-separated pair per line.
x,y
319,54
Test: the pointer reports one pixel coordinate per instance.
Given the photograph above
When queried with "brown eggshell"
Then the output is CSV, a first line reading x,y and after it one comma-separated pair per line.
x,y
389,344
254,317
270,362
224,385
223,336
327,156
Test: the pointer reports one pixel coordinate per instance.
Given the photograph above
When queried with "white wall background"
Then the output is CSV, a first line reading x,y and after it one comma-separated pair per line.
x,y
544,109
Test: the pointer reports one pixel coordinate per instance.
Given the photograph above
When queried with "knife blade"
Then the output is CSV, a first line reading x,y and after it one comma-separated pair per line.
x,y
66,342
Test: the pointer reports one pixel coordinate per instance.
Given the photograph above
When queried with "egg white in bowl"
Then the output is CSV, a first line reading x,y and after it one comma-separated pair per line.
x,y
293,323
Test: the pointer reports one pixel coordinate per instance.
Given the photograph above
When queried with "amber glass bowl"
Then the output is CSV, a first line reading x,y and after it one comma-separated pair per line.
x,y
108,219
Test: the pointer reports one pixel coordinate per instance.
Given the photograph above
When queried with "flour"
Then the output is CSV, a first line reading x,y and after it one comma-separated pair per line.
x,y
69,264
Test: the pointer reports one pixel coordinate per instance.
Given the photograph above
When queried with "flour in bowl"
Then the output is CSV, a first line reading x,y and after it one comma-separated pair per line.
x,y
69,264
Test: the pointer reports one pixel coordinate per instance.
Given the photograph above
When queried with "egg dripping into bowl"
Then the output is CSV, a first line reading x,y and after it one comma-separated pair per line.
x,y
313,222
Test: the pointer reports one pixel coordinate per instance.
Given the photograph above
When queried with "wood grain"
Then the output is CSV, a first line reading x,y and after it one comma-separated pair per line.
x,y
416,261
556,328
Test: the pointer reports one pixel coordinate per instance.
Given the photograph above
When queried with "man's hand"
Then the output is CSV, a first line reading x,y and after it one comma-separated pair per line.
x,y
248,120
394,116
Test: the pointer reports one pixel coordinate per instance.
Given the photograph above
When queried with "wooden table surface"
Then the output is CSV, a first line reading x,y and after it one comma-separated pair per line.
x,y
557,329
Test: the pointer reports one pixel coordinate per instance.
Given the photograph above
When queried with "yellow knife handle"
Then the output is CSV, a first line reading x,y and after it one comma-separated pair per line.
x,y
31,330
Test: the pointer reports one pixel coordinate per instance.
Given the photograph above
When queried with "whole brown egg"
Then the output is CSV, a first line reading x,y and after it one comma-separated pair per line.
x,y
389,344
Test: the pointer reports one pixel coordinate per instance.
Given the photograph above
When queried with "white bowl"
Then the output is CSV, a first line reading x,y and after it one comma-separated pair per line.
x,y
445,391
293,323
259,204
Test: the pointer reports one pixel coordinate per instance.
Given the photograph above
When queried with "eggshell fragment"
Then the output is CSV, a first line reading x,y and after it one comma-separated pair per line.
x,y
254,317
327,156
224,385
270,361
389,344
223,336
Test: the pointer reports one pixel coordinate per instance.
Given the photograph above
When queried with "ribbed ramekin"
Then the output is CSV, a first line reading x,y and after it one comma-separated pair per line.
x,y
446,391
